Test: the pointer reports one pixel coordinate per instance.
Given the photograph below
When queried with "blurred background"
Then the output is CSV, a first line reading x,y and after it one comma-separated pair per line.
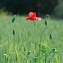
x,y
23,7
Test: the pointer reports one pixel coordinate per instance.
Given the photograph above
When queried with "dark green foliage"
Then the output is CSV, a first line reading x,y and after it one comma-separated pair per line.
x,y
25,6
58,11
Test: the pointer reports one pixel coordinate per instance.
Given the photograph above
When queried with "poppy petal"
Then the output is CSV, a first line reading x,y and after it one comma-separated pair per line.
x,y
27,18
38,18
31,14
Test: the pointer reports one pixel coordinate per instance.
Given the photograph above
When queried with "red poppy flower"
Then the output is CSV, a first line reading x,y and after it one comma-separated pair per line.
x,y
32,16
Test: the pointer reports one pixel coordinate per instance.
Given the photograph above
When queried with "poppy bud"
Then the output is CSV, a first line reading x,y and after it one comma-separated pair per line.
x,y
29,52
51,36
47,16
35,59
54,50
13,32
13,19
46,23
24,49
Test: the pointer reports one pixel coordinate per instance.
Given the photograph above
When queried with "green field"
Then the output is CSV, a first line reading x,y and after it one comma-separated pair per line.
x,y
30,44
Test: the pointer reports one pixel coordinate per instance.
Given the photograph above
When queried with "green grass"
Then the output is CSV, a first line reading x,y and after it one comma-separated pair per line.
x,y
20,48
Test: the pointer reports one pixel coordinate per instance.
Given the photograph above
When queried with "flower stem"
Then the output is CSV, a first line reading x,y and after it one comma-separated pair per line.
x,y
45,57
34,23
44,29
51,58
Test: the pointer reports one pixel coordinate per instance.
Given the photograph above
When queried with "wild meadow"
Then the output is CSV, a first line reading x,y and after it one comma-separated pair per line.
x,y
23,41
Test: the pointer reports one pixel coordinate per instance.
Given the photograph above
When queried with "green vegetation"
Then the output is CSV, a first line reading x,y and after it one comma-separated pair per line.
x,y
25,6
21,42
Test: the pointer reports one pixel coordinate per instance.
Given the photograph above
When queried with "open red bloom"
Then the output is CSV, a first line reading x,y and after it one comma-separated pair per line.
x,y
32,16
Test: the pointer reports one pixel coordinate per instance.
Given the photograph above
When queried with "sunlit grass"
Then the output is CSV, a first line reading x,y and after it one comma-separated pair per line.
x,y
20,48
